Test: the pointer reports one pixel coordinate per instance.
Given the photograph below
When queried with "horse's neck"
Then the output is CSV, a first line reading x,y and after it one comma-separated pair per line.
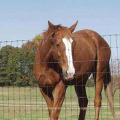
x,y
44,64
42,60
42,57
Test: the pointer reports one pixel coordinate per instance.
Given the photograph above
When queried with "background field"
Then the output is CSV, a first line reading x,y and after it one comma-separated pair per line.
x,y
26,103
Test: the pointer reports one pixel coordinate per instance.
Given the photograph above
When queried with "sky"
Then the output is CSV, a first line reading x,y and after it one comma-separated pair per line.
x,y
23,19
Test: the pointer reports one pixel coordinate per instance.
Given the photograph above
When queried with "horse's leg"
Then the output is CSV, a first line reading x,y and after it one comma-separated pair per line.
x,y
47,94
59,94
99,81
82,99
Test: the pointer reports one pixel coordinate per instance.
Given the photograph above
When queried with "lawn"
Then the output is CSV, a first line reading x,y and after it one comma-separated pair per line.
x,y
26,103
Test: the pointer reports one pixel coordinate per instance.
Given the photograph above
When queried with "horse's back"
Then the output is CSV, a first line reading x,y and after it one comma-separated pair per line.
x,y
90,47
92,37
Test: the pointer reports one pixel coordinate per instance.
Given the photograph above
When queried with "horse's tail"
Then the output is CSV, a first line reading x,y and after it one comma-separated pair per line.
x,y
108,91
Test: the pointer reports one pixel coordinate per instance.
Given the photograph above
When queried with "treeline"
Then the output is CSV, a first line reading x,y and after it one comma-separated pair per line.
x,y
16,64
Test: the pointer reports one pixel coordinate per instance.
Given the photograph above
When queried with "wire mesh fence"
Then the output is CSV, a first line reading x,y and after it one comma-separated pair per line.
x,y
20,97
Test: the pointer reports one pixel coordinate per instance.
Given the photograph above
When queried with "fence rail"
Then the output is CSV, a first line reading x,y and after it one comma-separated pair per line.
x,y
20,98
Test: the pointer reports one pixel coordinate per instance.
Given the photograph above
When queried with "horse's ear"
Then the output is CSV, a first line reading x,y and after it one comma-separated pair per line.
x,y
50,24
72,28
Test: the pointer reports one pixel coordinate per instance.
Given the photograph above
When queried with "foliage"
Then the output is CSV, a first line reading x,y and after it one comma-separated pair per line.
x,y
38,38
16,64
4,53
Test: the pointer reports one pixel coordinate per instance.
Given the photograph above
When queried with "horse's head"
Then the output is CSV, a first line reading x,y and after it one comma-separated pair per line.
x,y
61,46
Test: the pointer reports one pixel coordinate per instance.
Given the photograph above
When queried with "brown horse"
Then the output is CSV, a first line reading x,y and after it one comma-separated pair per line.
x,y
65,58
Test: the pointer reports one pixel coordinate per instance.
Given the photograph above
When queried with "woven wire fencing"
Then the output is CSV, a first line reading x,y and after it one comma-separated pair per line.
x,y
20,98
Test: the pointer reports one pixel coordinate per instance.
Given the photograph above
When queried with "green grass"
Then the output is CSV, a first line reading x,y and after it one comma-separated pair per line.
x,y
26,103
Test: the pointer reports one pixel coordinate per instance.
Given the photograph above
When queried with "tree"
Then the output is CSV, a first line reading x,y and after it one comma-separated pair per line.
x,y
4,57
16,64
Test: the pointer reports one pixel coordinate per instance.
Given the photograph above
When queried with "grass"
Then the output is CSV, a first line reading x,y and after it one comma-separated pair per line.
x,y
26,103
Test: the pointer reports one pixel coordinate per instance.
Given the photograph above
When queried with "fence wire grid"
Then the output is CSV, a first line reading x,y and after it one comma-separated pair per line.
x,y
20,98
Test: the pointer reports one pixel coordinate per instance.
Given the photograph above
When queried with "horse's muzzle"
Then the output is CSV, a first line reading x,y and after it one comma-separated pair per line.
x,y
69,74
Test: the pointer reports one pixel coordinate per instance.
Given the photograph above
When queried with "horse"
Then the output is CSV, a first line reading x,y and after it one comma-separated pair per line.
x,y
66,58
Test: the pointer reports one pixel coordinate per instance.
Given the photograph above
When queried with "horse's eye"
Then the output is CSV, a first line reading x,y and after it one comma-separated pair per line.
x,y
53,34
58,45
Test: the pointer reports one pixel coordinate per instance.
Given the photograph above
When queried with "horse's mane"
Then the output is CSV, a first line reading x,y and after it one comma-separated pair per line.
x,y
50,30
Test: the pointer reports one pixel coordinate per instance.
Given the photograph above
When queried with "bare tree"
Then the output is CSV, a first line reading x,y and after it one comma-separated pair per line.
x,y
115,71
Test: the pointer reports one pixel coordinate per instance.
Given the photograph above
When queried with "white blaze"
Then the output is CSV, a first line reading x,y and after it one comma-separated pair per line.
x,y
68,46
